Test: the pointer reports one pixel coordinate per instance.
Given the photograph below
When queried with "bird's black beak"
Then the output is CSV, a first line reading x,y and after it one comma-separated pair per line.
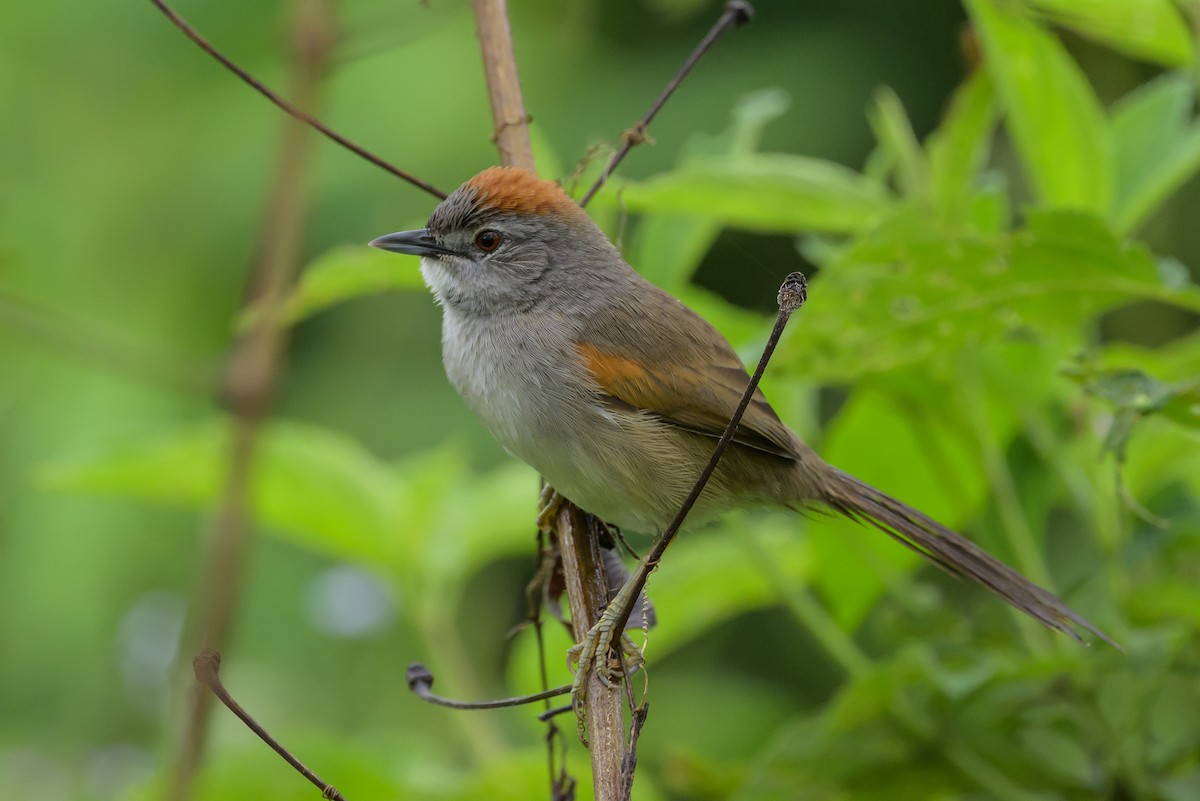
x,y
413,243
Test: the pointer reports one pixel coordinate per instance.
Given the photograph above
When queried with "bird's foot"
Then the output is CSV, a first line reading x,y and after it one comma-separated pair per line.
x,y
595,656
548,505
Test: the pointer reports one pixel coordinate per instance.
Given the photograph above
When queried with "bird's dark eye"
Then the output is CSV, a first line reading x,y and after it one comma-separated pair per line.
x,y
487,241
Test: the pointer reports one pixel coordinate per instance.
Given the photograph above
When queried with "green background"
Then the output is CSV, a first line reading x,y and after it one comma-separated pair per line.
x,y
793,659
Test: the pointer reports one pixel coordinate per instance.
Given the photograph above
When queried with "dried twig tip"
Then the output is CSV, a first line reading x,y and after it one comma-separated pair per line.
x,y
418,676
207,665
743,11
285,106
793,292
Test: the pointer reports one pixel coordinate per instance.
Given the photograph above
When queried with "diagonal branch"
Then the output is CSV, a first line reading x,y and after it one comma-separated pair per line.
x,y
737,12
207,667
288,107
792,295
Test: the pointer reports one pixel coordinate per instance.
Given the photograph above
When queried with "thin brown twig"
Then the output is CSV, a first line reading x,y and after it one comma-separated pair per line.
x,y
537,596
207,667
554,712
253,373
420,681
289,108
629,765
737,12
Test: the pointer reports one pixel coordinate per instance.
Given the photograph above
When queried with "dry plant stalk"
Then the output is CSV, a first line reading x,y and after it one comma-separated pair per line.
x,y
249,384
587,590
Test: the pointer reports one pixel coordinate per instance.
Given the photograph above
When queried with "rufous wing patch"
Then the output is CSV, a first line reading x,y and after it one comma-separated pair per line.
x,y
609,369
696,400
512,189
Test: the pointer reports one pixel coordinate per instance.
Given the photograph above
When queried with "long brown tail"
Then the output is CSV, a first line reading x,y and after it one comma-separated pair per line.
x,y
950,551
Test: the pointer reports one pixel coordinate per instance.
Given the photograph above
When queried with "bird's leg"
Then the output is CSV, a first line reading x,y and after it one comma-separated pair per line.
x,y
548,505
539,592
590,657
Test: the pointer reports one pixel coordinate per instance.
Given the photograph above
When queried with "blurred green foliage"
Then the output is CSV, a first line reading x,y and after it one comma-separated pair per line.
x,y
1001,331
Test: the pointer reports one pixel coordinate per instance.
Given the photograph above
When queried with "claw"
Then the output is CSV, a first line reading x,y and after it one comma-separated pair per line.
x,y
590,657
548,505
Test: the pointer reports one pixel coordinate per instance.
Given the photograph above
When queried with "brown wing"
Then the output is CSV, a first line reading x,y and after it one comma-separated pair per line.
x,y
679,368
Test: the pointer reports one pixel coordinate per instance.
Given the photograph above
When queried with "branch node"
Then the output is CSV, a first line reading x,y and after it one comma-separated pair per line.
x,y
502,127
637,135
737,12
207,667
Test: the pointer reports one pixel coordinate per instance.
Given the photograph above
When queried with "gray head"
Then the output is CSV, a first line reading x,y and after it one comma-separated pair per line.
x,y
507,241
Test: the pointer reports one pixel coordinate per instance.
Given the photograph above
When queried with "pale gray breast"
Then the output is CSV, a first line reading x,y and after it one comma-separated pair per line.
x,y
512,371
521,375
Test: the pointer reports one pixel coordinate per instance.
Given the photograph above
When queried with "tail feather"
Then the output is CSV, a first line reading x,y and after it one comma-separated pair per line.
x,y
952,552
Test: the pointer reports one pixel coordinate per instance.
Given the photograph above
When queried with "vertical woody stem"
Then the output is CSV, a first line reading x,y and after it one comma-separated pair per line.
x,y
586,587
504,85
587,591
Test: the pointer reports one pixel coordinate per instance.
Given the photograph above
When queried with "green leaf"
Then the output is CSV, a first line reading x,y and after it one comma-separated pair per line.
x,y
322,491
959,148
1061,756
1182,787
1168,599
1154,30
909,291
238,773
545,157
669,247
518,776
958,680
1177,360
1135,395
751,115
746,330
346,272
317,488
908,454
473,519
1055,120
1170,717
894,132
772,193
866,698
878,760
1157,145
712,578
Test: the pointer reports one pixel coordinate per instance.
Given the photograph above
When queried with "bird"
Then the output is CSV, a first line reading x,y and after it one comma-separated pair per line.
x,y
616,392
